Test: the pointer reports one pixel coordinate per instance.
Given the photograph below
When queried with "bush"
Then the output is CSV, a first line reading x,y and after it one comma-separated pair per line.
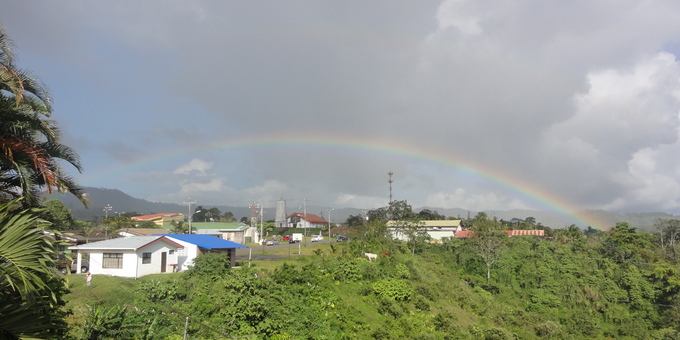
x,y
210,266
393,289
548,329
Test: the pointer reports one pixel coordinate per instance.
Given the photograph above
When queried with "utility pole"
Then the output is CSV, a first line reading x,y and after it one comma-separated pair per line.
x,y
329,223
390,181
190,202
107,208
261,226
304,204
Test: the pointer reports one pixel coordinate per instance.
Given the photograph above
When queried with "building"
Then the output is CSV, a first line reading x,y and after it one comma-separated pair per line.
x,y
281,221
230,231
511,233
436,229
162,220
127,232
201,244
301,220
130,256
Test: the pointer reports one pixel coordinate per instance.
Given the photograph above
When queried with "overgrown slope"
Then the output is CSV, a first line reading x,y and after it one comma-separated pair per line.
x,y
568,287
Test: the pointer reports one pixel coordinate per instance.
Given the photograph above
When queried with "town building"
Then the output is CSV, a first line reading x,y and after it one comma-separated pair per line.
x,y
163,220
130,256
435,229
305,221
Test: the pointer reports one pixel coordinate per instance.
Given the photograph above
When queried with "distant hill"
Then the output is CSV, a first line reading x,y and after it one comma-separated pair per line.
x,y
122,202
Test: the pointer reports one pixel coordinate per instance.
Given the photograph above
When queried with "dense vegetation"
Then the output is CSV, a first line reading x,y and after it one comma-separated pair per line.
x,y
620,284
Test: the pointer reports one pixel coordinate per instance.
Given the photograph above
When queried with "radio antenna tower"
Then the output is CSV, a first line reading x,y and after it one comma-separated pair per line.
x,y
390,181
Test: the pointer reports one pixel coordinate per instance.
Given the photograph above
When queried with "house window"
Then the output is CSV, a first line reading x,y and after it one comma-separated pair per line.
x,y
172,252
113,260
146,258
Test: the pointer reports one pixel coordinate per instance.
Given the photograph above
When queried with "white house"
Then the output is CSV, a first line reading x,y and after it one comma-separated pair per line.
x,y
436,229
302,220
130,256
230,231
198,244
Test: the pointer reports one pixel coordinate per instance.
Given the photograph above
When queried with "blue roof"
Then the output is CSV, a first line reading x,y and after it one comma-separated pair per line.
x,y
206,241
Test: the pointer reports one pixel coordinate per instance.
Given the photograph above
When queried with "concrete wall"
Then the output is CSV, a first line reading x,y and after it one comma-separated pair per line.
x,y
132,261
129,263
156,249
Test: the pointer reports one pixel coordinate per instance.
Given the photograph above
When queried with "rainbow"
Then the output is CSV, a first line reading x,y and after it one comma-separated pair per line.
x,y
529,192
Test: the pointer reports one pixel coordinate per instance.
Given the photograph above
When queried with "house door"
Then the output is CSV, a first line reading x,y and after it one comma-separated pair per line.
x,y
164,261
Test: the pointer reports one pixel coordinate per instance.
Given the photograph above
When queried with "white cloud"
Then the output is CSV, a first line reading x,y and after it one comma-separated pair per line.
x,y
267,193
196,167
453,13
350,200
473,201
615,134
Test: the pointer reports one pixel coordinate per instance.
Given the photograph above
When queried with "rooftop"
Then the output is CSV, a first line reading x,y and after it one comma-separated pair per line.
x,y
206,241
125,243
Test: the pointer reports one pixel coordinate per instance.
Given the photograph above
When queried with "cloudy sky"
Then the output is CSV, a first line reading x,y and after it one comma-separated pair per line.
x,y
489,104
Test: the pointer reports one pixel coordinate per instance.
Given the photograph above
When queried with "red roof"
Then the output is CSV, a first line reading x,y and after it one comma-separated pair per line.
x,y
311,218
525,232
155,216
464,234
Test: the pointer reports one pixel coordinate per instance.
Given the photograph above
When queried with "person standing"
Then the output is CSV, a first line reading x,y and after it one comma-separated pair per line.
x,y
88,278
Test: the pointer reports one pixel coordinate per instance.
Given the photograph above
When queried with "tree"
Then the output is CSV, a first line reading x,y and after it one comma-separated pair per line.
x,y
180,227
402,216
623,243
489,243
30,295
427,214
669,236
58,214
30,143
148,225
228,217
353,220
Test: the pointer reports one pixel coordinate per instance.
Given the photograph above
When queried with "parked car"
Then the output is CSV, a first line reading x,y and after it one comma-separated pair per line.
x,y
317,238
272,243
341,239
65,265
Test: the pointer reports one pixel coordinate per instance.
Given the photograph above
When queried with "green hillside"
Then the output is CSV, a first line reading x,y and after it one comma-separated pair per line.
x,y
570,286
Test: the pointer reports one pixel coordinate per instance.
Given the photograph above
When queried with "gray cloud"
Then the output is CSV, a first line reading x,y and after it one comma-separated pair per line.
x,y
579,99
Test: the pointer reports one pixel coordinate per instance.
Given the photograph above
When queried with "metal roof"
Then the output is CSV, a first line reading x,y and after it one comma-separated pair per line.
x,y
205,241
155,216
226,226
123,243
429,223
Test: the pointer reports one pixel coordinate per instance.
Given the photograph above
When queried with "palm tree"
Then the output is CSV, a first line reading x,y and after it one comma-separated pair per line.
x,y
30,148
180,227
30,293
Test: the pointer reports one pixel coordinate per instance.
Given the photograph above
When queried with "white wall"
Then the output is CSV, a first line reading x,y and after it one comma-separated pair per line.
x,y
434,234
186,256
129,263
154,267
132,261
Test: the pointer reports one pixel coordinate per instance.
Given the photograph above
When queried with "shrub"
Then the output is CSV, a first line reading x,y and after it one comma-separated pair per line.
x,y
210,266
393,289
548,329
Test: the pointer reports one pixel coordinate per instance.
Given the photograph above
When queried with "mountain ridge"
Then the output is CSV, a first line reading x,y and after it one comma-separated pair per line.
x,y
121,202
